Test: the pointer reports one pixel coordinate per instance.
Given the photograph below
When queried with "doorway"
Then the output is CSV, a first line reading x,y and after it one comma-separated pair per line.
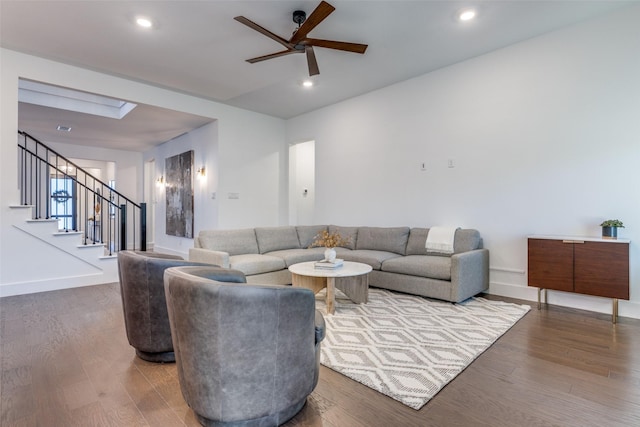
x,y
302,186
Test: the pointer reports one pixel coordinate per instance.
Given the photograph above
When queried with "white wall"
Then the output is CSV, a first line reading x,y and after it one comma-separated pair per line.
x,y
252,164
252,146
204,143
544,136
243,154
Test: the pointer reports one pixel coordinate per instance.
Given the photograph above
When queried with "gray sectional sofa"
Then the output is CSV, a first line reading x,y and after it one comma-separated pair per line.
x,y
398,256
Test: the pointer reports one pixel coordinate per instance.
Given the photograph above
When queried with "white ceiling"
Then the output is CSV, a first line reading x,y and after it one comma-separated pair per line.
x,y
198,48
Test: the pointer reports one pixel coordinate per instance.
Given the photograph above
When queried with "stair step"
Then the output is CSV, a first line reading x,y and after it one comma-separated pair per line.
x,y
68,233
92,245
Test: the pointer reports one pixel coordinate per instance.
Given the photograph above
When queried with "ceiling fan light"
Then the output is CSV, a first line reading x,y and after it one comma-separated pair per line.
x,y
467,15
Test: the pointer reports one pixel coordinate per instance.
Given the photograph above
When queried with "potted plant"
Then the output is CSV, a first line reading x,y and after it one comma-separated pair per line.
x,y
610,228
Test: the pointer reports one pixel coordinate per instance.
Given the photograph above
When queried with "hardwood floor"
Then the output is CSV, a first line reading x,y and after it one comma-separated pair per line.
x,y
65,361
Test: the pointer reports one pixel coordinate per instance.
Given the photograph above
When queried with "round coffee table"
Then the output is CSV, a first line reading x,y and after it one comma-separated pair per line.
x,y
352,278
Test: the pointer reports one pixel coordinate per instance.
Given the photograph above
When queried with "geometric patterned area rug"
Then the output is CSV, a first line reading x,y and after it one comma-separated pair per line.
x,y
408,347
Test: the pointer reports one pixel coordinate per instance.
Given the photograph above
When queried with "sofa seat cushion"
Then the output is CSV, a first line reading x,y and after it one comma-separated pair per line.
x,y
251,264
277,238
373,258
430,266
295,256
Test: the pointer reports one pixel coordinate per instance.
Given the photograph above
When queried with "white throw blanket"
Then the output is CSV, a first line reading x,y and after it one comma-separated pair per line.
x,y
440,239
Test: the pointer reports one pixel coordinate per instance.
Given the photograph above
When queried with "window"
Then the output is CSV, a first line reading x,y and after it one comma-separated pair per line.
x,y
63,202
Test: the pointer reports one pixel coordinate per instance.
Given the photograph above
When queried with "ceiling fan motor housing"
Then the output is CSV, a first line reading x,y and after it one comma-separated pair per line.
x,y
299,16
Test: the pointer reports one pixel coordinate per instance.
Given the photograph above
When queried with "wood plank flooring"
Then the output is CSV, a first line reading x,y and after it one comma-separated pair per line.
x,y
65,361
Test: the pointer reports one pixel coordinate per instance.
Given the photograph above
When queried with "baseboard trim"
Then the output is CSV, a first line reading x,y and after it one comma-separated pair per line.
x,y
629,309
23,288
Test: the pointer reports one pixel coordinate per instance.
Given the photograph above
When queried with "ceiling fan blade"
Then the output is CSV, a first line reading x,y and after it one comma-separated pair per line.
x,y
311,61
272,55
249,23
323,10
332,44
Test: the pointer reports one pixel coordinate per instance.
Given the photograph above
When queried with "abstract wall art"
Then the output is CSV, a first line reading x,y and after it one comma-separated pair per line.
x,y
179,195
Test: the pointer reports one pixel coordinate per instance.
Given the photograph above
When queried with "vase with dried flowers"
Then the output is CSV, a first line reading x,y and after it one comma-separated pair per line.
x,y
329,241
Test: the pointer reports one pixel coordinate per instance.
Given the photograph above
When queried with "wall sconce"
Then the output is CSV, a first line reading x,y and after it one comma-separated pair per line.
x,y
201,172
160,181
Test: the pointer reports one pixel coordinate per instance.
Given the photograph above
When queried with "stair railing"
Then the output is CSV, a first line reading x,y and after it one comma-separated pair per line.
x,y
58,188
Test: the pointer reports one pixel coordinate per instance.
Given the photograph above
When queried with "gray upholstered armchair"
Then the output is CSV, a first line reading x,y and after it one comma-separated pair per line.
x,y
143,302
247,355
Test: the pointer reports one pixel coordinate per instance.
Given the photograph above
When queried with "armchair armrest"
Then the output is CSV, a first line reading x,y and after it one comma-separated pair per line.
x,y
321,329
219,274
157,255
207,256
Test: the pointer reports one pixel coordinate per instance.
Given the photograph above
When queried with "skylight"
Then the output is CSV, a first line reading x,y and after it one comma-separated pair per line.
x,y
72,100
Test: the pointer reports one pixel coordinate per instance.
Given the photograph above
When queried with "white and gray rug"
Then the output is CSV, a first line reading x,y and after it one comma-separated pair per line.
x,y
408,347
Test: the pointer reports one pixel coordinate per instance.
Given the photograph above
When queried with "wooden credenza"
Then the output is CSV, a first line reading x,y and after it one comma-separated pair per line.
x,y
584,265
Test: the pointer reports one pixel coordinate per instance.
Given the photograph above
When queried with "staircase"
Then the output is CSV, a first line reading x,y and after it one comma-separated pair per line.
x,y
67,237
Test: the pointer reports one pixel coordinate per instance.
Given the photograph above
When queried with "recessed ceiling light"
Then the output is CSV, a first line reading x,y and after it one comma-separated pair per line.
x,y
63,128
144,22
467,15
307,83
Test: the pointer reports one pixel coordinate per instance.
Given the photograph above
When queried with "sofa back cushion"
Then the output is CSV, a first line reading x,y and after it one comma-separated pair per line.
x,y
234,242
388,239
417,241
349,233
307,234
465,240
277,238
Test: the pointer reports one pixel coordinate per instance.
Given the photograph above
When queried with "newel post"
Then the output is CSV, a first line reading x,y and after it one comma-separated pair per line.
x,y
123,227
143,226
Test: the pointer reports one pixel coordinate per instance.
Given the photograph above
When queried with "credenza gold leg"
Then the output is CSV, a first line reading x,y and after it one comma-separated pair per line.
x,y
614,316
540,290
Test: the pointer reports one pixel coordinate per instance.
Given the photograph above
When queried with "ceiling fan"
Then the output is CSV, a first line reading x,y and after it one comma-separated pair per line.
x,y
299,42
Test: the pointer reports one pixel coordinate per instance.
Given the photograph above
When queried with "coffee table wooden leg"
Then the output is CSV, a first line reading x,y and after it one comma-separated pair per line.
x,y
355,287
331,295
316,284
